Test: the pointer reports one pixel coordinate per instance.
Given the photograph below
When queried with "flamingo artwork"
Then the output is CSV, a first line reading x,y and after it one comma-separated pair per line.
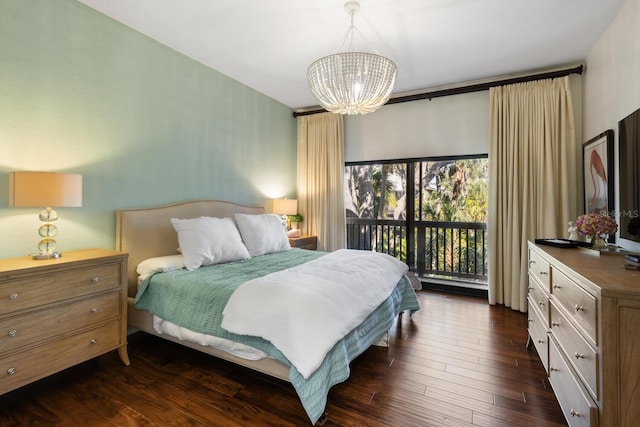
x,y
598,175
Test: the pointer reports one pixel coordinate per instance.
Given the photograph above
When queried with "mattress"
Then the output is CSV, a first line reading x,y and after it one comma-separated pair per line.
x,y
232,347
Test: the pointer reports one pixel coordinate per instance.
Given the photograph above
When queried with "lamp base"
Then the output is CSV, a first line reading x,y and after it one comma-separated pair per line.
x,y
46,255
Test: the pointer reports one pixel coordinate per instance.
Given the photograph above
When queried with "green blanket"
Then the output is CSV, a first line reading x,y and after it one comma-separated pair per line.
x,y
195,300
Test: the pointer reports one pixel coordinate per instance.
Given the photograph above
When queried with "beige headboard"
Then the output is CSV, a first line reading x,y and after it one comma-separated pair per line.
x,y
147,232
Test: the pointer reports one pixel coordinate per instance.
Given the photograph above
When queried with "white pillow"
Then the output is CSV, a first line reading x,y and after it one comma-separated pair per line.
x,y
207,240
263,234
158,264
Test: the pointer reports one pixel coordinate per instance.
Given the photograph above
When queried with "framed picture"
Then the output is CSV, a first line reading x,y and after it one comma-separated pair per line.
x,y
597,160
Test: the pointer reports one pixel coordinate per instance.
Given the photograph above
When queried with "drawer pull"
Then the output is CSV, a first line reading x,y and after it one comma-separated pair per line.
x,y
555,323
531,262
541,341
11,371
544,273
577,308
552,369
578,355
95,279
557,287
575,413
13,296
530,320
541,303
12,333
94,341
94,310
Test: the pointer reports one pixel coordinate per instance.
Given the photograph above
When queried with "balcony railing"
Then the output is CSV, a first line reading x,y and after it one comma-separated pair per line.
x,y
444,250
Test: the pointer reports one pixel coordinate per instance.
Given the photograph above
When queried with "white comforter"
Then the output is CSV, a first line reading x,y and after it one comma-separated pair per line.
x,y
304,311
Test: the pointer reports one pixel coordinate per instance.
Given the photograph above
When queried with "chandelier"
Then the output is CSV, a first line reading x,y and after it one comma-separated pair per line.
x,y
352,82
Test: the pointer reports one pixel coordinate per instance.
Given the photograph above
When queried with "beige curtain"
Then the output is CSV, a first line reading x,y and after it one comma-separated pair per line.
x,y
320,178
531,179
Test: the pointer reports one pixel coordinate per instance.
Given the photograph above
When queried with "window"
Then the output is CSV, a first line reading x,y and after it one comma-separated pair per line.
x,y
437,225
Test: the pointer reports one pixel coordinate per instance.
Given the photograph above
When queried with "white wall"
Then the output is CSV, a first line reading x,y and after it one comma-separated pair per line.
x,y
447,126
451,125
612,80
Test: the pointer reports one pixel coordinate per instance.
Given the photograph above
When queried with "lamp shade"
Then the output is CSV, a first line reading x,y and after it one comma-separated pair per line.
x,y
285,206
44,189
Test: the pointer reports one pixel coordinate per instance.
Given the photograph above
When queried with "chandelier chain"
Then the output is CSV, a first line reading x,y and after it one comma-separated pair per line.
x,y
349,35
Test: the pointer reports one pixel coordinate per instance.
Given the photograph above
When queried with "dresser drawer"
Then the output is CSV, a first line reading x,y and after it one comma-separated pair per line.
x,y
540,269
582,356
539,297
45,324
577,406
537,329
25,367
35,290
581,305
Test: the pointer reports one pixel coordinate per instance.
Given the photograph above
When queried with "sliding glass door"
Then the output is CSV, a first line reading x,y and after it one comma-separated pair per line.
x,y
430,213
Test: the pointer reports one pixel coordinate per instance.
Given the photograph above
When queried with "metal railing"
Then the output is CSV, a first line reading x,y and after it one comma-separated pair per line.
x,y
444,250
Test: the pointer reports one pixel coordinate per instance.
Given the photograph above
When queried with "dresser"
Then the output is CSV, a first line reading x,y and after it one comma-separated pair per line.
x,y
59,312
304,242
584,322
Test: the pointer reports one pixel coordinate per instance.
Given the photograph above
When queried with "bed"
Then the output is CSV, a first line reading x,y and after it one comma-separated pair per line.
x,y
148,234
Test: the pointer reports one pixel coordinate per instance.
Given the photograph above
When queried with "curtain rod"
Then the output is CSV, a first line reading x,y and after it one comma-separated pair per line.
x,y
468,88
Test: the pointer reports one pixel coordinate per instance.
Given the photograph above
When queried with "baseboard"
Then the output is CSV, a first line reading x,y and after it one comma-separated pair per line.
x,y
454,288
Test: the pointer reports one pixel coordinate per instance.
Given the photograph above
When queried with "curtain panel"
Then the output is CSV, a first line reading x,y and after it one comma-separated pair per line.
x,y
532,182
320,178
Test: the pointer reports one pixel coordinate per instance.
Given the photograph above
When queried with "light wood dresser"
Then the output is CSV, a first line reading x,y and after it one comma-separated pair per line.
x,y
584,320
60,312
304,242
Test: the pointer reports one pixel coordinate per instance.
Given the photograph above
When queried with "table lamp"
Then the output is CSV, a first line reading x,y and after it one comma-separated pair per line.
x,y
45,189
285,207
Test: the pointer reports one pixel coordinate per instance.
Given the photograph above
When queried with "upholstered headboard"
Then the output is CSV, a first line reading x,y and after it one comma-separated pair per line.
x,y
147,232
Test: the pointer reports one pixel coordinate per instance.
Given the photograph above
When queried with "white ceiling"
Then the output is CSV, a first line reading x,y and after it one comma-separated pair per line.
x,y
268,44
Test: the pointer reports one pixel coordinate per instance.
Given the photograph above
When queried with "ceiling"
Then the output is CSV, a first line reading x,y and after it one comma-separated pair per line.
x,y
269,44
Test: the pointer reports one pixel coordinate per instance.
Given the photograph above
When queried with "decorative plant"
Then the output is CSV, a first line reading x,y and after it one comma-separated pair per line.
x,y
295,219
596,224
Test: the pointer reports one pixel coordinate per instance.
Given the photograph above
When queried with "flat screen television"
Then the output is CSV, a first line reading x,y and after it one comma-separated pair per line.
x,y
629,170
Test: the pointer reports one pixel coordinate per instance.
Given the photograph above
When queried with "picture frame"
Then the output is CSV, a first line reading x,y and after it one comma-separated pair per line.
x,y
598,178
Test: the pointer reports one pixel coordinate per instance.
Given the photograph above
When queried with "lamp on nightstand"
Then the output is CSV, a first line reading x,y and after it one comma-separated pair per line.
x,y
285,207
49,189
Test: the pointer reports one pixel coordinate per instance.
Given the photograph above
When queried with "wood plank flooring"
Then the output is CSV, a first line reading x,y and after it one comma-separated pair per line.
x,y
456,362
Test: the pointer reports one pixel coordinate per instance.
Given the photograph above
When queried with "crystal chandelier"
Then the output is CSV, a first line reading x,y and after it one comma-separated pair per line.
x,y
352,82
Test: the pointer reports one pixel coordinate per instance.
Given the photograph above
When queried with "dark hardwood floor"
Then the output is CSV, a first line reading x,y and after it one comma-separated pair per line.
x,y
456,362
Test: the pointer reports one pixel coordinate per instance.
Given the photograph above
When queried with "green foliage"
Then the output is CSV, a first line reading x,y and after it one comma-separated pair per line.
x,y
449,190
455,191
297,218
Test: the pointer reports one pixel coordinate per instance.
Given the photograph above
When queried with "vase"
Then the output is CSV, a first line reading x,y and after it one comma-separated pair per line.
x,y
598,242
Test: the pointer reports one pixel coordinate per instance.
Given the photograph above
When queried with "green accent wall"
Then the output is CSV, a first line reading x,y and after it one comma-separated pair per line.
x,y
143,124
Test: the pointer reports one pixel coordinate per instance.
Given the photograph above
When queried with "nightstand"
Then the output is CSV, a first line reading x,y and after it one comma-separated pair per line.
x,y
57,313
304,242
